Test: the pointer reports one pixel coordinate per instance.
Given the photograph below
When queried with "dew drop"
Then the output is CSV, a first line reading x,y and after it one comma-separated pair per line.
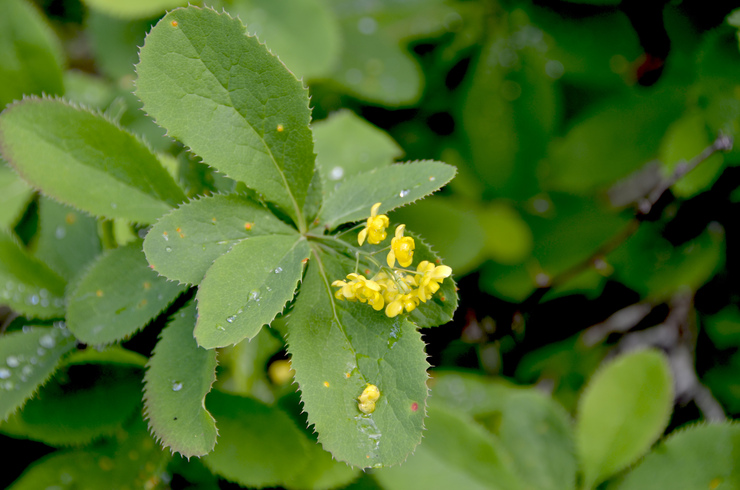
x,y
26,328
113,205
278,270
8,385
4,373
254,295
432,178
27,370
367,25
44,303
41,351
336,173
33,299
33,360
47,341
168,249
176,386
404,193
165,236
12,361
60,232
231,319
220,327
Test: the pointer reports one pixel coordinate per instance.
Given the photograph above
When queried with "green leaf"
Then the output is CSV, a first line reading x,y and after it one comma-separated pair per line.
x,y
184,244
80,404
456,453
246,114
374,67
365,346
260,446
459,241
30,55
537,433
134,9
112,354
303,33
26,284
67,239
702,456
29,359
685,139
589,156
247,287
510,111
83,159
117,296
534,429
393,186
130,460
347,145
624,409
175,391
14,196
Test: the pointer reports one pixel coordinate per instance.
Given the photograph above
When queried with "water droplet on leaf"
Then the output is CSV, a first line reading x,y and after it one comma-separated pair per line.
x,y
12,361
4,373
176,386
403,193
47,341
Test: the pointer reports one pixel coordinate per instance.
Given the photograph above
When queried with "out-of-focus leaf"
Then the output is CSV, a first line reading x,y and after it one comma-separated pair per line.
x,y
451,225
134,9
29,359
724,327
26,284
14,196
510,110
30,55
347,145
115,41
117,296
175,391
88,90
79,405
305,34
508,237
685,139
701,456
106,465
623,410
67,238
456,453
261,446
649,264
593,153
604,63
724,382
534,429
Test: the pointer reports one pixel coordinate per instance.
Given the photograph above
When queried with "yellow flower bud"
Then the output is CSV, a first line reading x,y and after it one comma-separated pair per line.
x,y
375,227
402,249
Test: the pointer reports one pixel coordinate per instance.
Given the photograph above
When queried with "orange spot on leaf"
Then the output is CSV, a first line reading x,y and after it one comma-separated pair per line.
x,y
304,261
99,293
280,128
414,407
70,218
326,383
174,23
248,225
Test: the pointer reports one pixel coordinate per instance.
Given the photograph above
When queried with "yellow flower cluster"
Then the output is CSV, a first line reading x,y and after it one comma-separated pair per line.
x,y
396,290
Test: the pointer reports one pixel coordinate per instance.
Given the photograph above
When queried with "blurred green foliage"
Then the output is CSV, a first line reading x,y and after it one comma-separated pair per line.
x,y
573,228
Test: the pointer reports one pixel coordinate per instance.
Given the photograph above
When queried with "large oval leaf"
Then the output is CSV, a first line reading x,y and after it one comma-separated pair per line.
x,y
624,409
83,159
233,103
339,347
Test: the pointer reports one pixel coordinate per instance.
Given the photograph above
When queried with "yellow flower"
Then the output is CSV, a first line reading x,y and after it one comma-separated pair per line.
x,y
402,302
375,227
359,288
429,278
402,249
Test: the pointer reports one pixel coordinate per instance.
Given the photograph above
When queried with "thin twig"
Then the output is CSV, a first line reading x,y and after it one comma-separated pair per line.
x,y
644,206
